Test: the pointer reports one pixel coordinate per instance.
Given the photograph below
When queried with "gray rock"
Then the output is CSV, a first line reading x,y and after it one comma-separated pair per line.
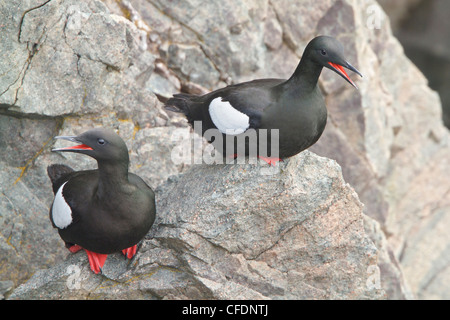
x,y
393,141
295,234
423,29
71,65
76,66
372,133
5,286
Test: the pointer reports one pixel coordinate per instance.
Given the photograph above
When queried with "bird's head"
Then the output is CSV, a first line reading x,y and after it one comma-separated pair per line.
x,y
100,143
329,53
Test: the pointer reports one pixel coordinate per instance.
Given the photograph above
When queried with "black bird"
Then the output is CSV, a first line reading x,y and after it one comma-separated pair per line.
x,y
105,210
295,107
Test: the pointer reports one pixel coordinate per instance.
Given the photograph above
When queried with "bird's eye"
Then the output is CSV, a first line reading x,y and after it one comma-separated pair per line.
x,y
100,141
323,52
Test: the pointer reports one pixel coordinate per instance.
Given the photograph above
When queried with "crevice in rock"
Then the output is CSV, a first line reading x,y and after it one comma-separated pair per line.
x,y
197,34
200,40
108,66
21,75
31,52
25,13
275,243
289,44
5,110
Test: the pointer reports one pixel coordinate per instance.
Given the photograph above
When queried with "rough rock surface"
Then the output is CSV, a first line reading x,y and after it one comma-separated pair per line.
x,y
424,31
69,65
296,233
74,66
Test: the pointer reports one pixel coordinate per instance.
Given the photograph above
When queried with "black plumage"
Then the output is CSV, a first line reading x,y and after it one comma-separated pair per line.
x,y
110,209
295,106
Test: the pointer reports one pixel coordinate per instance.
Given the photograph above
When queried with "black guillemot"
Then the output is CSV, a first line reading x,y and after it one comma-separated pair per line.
x,y
104,210
294,107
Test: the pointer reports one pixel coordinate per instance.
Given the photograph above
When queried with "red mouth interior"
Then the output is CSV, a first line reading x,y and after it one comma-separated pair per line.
x,y
342,70
78,147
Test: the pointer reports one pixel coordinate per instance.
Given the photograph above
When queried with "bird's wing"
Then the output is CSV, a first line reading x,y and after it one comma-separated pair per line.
x,y
237,108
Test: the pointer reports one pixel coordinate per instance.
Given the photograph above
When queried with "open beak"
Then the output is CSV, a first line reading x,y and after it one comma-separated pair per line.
x,y
73,148
341,71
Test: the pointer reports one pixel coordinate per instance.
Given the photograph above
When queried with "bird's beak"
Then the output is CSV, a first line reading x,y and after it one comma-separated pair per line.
x,y
73,148
341,71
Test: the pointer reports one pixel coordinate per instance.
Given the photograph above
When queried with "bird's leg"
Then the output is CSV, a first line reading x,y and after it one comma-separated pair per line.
x,y
96,260
270,161
130,252
74,248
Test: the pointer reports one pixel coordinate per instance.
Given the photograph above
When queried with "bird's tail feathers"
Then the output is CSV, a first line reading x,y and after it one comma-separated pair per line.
x,y
179,103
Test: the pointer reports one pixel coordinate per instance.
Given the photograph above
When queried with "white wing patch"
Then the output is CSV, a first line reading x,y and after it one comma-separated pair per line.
x,y
61,212
226,118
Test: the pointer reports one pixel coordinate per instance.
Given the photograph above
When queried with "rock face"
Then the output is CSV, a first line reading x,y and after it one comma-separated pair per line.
x,y
297,233
74,66
70,65
423,29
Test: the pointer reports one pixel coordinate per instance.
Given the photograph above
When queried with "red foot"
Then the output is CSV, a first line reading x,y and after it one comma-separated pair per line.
x,y
96,260
270,161
75,248
130,252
